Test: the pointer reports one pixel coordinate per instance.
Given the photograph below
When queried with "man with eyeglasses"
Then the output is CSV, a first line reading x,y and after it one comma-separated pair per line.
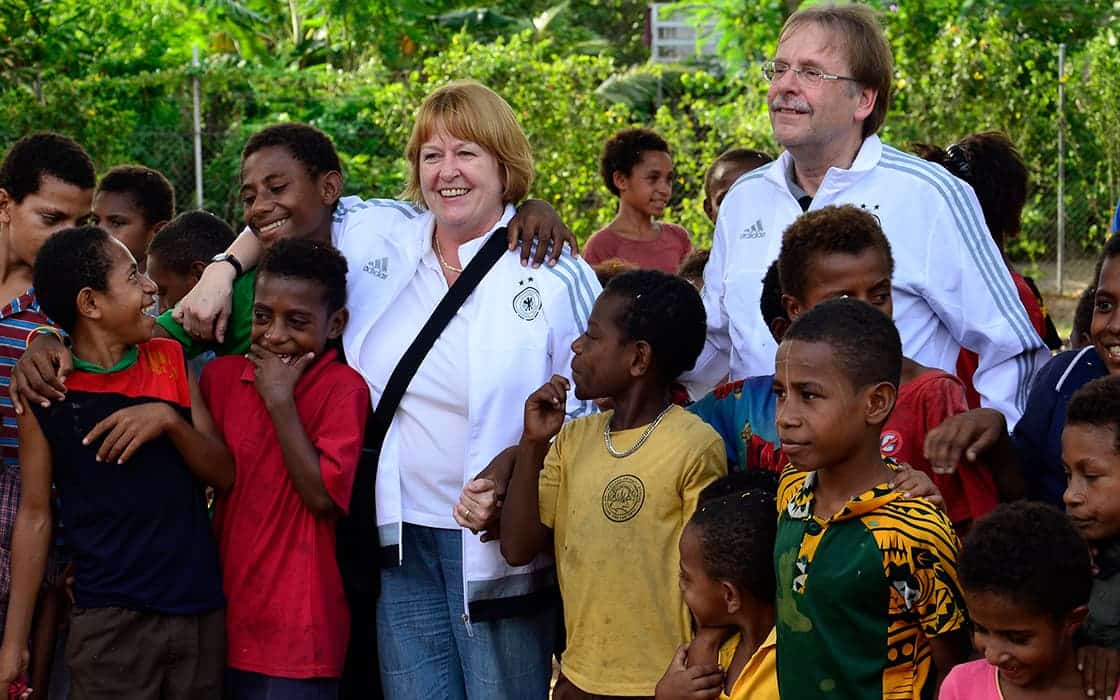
x,y
830,82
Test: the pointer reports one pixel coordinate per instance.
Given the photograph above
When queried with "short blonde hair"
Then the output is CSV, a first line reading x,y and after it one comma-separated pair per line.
x,y
469,110
868,53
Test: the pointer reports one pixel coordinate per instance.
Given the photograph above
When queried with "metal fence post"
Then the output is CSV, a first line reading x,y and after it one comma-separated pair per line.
x,y
1061,167
197,129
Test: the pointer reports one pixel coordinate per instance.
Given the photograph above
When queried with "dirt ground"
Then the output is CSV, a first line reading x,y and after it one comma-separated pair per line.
x,y
1061,310
1077,275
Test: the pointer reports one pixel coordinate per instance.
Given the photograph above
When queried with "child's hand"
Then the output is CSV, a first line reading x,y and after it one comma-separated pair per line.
x,y
275,379
537,221
1100,671
689,682
129,428
204,311
13,664
916,484
39,375
966,435
544,410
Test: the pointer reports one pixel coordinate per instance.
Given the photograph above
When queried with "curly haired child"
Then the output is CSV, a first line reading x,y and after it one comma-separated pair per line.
x,y
638,169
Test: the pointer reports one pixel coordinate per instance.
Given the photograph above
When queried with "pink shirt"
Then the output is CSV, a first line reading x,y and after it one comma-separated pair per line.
x,y
975,680
665,253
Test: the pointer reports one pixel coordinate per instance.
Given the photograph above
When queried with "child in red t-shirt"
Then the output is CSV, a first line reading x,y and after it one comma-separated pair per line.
x,y
842,252
293,415
637,168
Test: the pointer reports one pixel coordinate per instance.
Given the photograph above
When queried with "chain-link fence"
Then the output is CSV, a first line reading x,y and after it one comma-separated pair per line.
x,y
1075,186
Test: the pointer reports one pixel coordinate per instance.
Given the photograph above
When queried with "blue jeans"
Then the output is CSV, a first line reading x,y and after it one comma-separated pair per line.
x,y
246,685
430,649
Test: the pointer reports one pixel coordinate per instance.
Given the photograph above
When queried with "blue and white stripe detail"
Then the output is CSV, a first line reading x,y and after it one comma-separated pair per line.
x,y
977,240
406,208
581,297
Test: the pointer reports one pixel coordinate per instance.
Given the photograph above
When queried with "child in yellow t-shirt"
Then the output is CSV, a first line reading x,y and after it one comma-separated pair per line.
x,y
612,493
729,585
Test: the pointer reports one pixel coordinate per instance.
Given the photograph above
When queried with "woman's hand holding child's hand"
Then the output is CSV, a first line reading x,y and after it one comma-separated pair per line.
x,y
684,682
479,507
128,429
275,379
480,504
544,410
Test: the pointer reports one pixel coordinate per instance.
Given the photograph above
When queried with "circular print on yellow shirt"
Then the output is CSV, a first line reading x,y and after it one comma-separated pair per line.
x,y
623,498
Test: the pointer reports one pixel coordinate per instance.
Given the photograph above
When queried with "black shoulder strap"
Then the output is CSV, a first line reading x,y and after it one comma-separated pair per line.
x,y
410,362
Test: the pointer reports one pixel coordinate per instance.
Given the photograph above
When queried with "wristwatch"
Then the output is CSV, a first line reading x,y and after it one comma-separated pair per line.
x,y
231,259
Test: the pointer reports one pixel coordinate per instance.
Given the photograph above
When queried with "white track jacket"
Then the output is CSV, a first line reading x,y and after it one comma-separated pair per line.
x,y
522,323
951,288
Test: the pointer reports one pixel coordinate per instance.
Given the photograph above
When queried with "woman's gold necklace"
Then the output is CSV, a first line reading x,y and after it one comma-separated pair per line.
x,y
442,260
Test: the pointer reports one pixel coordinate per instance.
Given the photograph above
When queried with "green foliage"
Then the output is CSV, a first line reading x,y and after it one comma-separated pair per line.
x,y
964,66
360,70
981,74
747,29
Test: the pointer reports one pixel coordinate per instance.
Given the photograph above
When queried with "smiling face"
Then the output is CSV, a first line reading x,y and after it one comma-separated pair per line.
x,y
822,418
1029,649
1105,327
815,116
119,214
865,276
281,198
1092,465
129,297
56,205
291,318
602,357
461,183
649,185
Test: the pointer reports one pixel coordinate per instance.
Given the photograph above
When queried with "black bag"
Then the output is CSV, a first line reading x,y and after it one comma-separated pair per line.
x,y
357,549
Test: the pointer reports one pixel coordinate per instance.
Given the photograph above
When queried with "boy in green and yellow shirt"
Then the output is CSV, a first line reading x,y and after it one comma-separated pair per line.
x,y
868,604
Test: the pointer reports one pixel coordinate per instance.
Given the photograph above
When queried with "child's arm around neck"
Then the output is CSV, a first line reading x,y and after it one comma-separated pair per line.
x,y
523,535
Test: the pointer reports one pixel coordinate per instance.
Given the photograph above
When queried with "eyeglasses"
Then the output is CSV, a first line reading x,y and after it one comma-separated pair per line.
x,y
773,70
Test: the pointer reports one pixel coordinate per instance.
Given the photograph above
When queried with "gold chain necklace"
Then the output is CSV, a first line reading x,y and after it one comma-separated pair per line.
x,y
442,261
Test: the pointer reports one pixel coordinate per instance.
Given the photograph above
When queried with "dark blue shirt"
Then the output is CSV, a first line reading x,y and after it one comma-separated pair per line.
x,y
1038,435
139,532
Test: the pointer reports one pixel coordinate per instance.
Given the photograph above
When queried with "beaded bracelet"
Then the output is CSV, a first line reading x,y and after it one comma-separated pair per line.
x,y
45,329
